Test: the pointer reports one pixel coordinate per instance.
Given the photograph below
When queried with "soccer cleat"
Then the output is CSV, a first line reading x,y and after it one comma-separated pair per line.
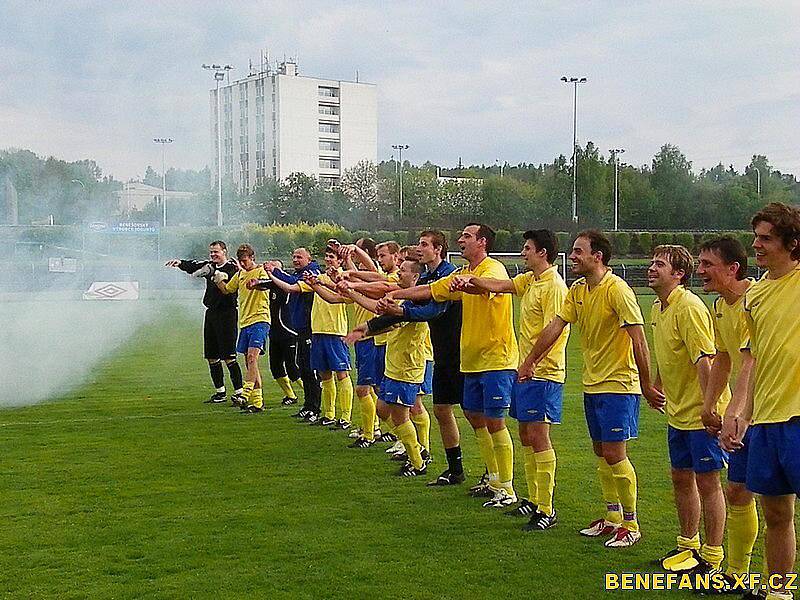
x,y
756,594
426,456
482,488
502,498
238,399
399,457
324,422
525,509
447,478
216,398
361,442
253,409
301,414
409,470
540,521
288,401
395,448
599,528
386,437
312,419
355,433
718,581
341,424
623,538
679,560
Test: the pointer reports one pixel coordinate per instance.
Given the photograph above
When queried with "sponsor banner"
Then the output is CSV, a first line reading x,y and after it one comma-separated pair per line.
x,y
98,226
62,265
134,227
112,290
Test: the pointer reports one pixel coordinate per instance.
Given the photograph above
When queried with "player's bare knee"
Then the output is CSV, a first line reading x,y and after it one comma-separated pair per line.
x,y
475,419
683,478
708,484
613,452
443,412
778,510
495,424
738,494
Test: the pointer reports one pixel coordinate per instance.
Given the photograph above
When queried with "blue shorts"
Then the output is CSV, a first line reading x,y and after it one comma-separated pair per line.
x,y
253,336
537,401
612,417
380,365
365,362
427,384
695,449
329,353
399,392
737,461
489,392
773,468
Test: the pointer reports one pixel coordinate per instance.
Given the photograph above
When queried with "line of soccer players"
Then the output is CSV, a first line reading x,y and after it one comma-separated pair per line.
x,y
415,310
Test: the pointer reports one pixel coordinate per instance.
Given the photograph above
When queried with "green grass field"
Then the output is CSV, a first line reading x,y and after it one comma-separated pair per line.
x,y
131,487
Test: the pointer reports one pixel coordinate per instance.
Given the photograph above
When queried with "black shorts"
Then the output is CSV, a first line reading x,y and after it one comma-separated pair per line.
x,y
448,384
219,334
283,357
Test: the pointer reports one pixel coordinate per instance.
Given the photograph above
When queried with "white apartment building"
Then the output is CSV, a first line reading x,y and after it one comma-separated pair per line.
x,y
276,122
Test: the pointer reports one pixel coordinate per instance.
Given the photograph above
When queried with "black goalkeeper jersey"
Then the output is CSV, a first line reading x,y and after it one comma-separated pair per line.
x,y
213,299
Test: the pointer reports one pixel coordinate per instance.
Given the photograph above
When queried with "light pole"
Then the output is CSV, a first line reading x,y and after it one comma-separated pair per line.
x,y
758,181
400,148
501,165
615,152
163,142
574,81
219,75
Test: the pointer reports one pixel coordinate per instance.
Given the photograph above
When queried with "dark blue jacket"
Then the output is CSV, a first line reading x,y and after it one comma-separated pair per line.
x,y
299,304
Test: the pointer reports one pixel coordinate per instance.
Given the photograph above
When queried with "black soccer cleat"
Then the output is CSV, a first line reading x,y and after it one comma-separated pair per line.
x,y
409,470
526,508
253,409
362,442
340,425
540,521
386,437
216,398
447,478
288,401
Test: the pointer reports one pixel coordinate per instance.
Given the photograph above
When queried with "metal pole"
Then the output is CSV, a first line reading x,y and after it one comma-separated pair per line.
x,y
163,185
615,152
401,183
758,181
219,157
575,153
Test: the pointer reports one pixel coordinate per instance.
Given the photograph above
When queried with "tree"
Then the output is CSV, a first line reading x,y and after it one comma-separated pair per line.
x,y
672,181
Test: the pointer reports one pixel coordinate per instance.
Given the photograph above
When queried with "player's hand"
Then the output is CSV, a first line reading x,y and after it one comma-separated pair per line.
x,y
172,263
268,266
352,337
251,284
219,276
732,433
310,278
342,287
712,422
526,369
389,307
460,282
655,398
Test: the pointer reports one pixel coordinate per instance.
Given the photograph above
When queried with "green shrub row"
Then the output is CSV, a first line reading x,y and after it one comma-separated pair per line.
x,y
279,240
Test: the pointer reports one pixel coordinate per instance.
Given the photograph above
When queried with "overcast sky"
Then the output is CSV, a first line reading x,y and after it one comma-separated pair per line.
x,y
477,80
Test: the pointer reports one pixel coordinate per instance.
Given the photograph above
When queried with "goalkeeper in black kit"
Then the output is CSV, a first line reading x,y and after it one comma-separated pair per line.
x,y
220,324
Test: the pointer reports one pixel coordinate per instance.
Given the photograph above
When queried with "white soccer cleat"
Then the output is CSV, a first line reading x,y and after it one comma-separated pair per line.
x,y
623,538
599,528
396,448
501,499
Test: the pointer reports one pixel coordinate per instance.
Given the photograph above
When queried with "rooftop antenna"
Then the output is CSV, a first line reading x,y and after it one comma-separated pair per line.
x,y
356,75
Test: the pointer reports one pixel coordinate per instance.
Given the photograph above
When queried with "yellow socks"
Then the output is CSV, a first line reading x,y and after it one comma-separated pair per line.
x,y
387,426
625,481
367,416
344,393
692,543
256,398
530,472
486,448
609,488
422,422
408,435
504,456
328,398
247,390
713,555
742,534
286,387
545,480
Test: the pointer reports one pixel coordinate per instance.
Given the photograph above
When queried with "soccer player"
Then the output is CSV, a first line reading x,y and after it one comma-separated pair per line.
x,y
219,323
300,306
615,360
254,321
773,404
282,342
404,373
444,320
683,340
329,354
489,357
722,268
535,401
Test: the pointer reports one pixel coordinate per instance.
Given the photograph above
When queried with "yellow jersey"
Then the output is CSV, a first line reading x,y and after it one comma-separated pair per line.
x,y
730,331
393,277
406,352
253,304
602,314
770,309
488,342
326,317
541,299
683,333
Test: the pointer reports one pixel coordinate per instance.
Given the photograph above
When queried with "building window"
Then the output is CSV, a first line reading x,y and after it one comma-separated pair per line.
x,y
328,128
328,163
328,92
324,109
329,146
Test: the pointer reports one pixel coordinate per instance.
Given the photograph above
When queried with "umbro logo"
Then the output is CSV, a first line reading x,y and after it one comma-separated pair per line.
x,y
497,397
706,458
616,429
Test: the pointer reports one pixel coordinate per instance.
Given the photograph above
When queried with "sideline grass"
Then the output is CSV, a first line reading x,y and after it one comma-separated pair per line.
x,y
131,487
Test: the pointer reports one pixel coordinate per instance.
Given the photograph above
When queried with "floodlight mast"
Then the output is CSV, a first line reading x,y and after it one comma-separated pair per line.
x,y
219,74
574,81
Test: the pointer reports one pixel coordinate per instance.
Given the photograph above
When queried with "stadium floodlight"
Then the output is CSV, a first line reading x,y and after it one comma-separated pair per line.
x,y
400,148
219,74
615,152
163,142
574,81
